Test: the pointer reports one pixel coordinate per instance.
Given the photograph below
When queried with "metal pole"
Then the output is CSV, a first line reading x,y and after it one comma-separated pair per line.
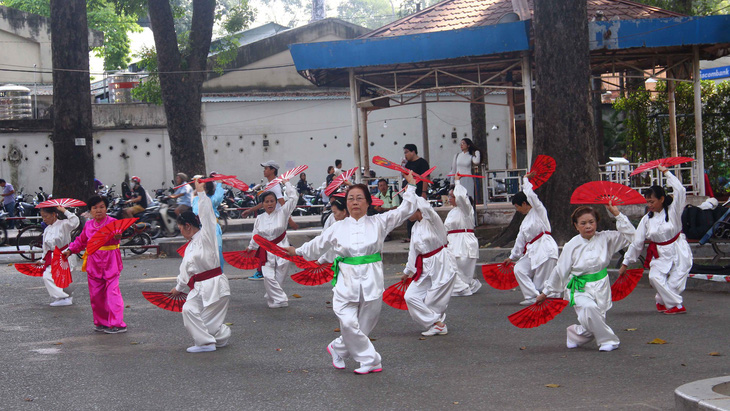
x,y
365,143
527,89
671,102
700,151
424,127
35,91
355,126
512,128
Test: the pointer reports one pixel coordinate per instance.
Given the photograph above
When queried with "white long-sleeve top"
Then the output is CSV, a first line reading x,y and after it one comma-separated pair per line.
x,y
581,256
535,222
658,230
328,256
428,235
463,162
357,238
58,235
461,217
202,255
271,226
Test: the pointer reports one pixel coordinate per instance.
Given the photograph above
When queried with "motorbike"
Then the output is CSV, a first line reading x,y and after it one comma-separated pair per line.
x,y
308,202
437,190
160,215
27,209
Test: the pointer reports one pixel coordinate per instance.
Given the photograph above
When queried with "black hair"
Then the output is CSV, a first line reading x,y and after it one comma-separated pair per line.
x,y
582,210
265,194
338,162
520,198
365,191
54,210
209,188
411,147
339,202
470,146
383,180
330,168
2,181
94,200
188,217
658,192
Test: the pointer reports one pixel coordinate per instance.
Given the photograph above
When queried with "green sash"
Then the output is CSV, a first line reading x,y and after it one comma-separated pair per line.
x,y
578,283
365,259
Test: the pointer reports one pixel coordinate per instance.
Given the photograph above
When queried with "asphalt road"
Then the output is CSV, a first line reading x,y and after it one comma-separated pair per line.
x,y
276,359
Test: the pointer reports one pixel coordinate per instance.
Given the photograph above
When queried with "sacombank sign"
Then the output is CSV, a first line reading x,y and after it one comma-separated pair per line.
x,y
714,73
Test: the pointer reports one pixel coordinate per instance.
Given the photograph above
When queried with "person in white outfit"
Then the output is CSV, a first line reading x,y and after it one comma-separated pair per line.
x,y
463,162
206,306
57,234
358,242
582,269
463,244
535,250
433,269
272,226
669,257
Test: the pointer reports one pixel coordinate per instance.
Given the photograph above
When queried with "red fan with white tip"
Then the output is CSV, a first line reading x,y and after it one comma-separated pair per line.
x,y
666,162
543,167
314,276
272,248
243,260
182,249
60,269
377,160
286,176
216,177
625,284
166,301
377,202
61,202
538,314
464,175
106,233
236,183
394,295
603,192
500,276
30,269
339,180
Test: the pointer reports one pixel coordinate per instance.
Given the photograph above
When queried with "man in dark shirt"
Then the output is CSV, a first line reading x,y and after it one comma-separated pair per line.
x,y
139,199
417,165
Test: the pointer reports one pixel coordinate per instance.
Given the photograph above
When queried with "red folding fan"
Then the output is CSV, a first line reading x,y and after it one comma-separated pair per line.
x,y
543,167
464,175
236,183
60,269
377,202
538,314
166,301
314,276
377,160
625,284
61,202
500,276
182,249
30,269
243,260
603,192
394,295
286,176
216,177
101,237
339,180
272,248
666,162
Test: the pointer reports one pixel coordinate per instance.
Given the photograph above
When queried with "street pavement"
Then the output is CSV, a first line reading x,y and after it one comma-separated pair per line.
x,y
276,359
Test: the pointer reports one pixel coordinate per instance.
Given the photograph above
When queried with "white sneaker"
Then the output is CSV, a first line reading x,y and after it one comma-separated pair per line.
x,y
570,344
62,302
279,305
337,361
436,330
221,345
201,348
608,347
528,301
368,369
475,286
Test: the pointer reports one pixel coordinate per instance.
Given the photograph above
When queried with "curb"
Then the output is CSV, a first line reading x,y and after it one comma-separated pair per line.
x,y
709,394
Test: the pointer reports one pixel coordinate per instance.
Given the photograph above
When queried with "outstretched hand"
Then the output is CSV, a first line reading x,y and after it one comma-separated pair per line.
x,y
291,250
409,178
540,298
622,270
174,291
662,169
612,209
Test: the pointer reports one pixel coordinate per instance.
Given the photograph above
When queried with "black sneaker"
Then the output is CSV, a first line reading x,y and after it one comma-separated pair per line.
x,y
101,328
116,330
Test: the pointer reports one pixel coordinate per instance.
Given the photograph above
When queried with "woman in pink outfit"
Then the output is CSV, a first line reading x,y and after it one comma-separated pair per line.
x,y
103,268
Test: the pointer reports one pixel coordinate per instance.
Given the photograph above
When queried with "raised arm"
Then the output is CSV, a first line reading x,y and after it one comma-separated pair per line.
x,y
680,199
208,223
393,218
462,197
290,192
476,158
534,200
637,242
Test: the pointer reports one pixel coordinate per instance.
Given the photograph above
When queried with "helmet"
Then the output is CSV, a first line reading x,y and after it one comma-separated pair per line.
x,y
136,179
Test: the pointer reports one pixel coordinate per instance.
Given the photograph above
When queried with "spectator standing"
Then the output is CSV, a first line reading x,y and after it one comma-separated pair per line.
x,y
417,165
464,162
338,167
8,200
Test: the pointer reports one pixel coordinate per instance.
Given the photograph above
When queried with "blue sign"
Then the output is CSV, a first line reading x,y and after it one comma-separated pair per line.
x,y
713,73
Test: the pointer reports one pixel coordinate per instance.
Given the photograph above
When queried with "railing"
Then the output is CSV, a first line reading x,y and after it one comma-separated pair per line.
x,y
503,184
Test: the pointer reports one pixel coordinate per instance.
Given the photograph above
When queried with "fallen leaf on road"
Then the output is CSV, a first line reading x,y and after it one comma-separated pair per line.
x,y
421,338
134,343
631,329
373,339
715,354
305,371
134,266
456,402
337,330
229,324
126,306
657,341
552,385
28,399
296,296
144,273
10,265
58,343
683,365
523,348
636,355
278,349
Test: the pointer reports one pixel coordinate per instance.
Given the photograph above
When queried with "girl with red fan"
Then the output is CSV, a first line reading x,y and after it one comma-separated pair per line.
x,y
358,291
433,269
463,244
56,234
272,226
103,268
535,249
207,302
581,271
669,257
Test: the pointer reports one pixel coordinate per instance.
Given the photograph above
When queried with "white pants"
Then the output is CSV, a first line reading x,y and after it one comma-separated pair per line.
x,y
532,281
427,303
273,278
357,319
668,287
54,291
465,284
592,323
205,324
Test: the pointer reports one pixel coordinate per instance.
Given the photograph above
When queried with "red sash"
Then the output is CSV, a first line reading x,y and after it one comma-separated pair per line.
x,y
537,237
261,253
421,257
205,275
48,257
653,252
463,230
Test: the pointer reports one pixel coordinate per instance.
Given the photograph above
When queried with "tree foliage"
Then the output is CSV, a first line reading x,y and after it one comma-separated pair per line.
x,y
691,7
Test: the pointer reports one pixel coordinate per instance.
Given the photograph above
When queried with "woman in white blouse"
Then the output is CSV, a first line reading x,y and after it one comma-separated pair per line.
x,y
463,163
57,234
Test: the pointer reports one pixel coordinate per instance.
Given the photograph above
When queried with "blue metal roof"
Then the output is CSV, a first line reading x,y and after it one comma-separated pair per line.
x,y
414,48
652,33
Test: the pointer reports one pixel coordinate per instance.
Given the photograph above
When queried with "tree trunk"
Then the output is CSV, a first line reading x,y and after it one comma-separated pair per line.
x,y
73,153
181,80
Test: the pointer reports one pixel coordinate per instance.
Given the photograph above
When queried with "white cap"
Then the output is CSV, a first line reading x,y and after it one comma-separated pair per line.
x,y
271,163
